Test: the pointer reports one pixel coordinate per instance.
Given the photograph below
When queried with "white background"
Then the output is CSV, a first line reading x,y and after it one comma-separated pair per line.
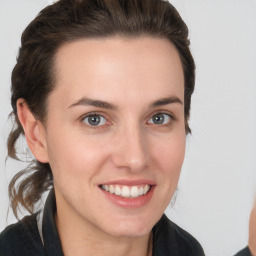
x,y
218,178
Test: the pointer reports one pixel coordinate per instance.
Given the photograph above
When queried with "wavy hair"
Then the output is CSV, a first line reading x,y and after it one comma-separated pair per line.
x,y
66,21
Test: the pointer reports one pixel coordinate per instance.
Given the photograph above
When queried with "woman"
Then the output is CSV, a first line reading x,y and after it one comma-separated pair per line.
x,y
101,90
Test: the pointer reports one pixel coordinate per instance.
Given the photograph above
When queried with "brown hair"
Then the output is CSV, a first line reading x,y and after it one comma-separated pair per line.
x,y
66,21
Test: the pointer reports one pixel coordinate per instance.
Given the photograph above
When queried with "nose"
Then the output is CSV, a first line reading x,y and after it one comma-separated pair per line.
x,y
131,149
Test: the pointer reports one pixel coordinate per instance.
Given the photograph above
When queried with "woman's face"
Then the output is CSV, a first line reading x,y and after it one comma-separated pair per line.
x,y
115,133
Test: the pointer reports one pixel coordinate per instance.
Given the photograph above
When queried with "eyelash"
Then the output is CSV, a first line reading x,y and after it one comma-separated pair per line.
x,y
171,119
107,122
95,115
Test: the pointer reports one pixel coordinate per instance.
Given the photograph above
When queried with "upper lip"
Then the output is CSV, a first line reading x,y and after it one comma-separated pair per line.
x,y
130,182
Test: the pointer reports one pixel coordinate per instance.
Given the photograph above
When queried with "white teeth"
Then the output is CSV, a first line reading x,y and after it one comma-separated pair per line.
x,y
118,191
146,189
134,192
141,191
125,191
111,189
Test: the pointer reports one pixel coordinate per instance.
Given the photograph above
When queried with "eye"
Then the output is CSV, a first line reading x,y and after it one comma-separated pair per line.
x,y
160,118
95,120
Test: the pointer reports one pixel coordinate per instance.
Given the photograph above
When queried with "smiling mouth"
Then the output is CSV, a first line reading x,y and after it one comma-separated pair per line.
x,y
127,191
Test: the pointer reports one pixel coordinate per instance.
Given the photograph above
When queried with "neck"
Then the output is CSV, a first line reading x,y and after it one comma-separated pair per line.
x,y
79,237
76,242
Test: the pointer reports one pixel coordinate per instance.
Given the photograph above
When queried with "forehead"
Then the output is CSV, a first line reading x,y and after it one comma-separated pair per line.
x,y
120,65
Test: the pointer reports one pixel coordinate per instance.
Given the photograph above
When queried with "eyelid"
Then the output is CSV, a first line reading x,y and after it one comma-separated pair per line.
x,y
108,122
95,113
163,112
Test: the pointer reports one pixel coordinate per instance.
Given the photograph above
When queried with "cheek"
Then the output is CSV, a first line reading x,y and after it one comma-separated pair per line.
x,y
169,156
168,160
72,155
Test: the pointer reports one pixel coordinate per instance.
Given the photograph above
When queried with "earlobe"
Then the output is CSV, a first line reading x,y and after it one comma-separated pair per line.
x,y
34,131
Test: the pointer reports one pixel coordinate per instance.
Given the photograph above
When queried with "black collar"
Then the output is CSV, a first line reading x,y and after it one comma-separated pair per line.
x,y
23,238
168,238
51,240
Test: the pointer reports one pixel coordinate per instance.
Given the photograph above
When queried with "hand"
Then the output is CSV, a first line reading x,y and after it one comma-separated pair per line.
x,y
252,231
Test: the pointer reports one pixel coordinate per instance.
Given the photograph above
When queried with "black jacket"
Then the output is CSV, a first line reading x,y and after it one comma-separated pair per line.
x,y
23,238
244,252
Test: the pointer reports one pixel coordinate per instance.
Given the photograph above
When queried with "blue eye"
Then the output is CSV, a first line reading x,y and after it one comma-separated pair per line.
x,y
160,118
95,120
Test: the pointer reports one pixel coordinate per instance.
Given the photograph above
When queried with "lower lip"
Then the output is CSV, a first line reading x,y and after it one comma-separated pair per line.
x,y
130,202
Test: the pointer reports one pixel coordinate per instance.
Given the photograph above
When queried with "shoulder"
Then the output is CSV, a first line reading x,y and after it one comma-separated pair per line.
x,y
244,252
188,241
21,238
170,238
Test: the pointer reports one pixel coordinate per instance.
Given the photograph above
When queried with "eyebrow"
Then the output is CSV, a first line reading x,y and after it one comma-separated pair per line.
x,y
95,103
103,104
166,101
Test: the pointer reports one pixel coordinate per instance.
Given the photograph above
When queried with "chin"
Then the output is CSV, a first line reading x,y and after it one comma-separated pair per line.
x,y
131,227
130,232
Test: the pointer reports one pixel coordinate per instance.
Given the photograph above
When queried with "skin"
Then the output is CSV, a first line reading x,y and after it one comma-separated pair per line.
x,y
252,230
132,74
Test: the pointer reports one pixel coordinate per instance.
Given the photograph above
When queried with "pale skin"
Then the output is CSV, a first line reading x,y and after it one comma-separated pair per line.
x,y
252,230
128,84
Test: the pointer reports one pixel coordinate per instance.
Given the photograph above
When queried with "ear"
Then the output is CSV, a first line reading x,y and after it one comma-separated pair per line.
x,y
34,132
